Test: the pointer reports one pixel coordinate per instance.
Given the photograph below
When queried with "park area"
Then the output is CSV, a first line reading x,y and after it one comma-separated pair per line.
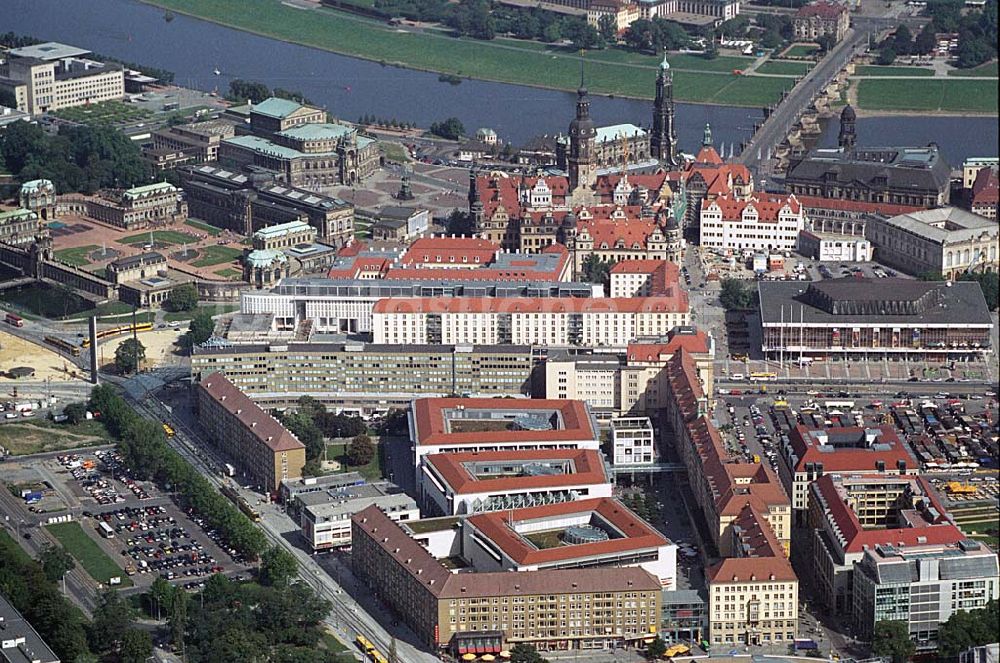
x,y
107,113
88,554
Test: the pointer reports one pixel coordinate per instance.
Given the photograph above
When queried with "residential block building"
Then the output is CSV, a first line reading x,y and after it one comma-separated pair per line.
x,y
365,378
264,452
325,516
479,613
594,323
821,18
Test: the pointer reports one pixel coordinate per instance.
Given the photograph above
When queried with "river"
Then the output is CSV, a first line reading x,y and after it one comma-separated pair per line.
x,y
350,87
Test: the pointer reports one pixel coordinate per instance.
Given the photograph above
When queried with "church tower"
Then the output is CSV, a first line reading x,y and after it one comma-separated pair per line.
x,y
582,144
675,240
847,136
663,142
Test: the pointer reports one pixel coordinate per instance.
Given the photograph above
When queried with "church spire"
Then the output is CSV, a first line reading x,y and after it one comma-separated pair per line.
x,y
706,140
663,141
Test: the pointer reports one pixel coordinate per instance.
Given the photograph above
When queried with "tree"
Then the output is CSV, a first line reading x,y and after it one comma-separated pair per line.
x,y
926,42
75,412
452,129
969,629
523,652
360,451
826,42
55,562
183,298
460,223
277,567
303,427
161,596
656,649
607,27
990,283
177,621
130,355
902,40
737,294
886,56
892,639
711,51
201,327
137,646
931,276
596,270
112,618
247,91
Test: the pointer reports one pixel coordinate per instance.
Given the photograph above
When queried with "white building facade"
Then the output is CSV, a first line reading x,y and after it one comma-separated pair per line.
x,y
764,222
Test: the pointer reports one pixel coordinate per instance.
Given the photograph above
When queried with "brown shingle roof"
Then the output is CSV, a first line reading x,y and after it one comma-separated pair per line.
x,y
264,426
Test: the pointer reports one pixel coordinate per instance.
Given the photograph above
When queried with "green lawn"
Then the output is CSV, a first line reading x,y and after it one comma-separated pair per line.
x,y
748,90
930,95
229,273
393,152
784,67
873,70
8,542
103,310
608,72
33,436
988,69
161,236
800,50
104,113
76,256
216,255
372,470
89,555
204,227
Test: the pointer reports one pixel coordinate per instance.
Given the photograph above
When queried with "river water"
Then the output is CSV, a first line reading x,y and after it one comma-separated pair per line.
x,y
350,87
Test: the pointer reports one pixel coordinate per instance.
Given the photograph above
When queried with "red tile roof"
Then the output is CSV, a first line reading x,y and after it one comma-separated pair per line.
x,y
665,274
855,538
263,426
761,555
432,429
769,206
588,469
985,188
636,533
848,459
673,301
450,251
821,9
696,343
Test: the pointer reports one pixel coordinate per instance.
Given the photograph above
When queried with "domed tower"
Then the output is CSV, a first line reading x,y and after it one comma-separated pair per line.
x,y
663,142
675,243
582,143
567,231
847,136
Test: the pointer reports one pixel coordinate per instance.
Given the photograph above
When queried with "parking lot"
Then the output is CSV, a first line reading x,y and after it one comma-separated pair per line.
x,y
137,525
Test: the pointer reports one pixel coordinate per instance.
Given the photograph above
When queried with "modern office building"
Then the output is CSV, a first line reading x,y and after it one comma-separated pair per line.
x,y
947,240
486,613
462,425
806,454
48,76
325,516
632,442
589,533
478,481
193,143
364,378
263,451
564,322
850,515
863,318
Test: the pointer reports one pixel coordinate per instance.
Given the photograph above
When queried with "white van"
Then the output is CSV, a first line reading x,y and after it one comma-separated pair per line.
x,y
737,376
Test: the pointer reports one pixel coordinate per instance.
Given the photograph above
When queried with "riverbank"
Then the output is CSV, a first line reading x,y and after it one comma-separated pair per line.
x,y
611,72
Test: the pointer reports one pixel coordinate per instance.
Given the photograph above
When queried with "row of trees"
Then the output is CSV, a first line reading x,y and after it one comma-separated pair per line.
x,y
144,448
368,119
451,128
656,35
76,159
902,42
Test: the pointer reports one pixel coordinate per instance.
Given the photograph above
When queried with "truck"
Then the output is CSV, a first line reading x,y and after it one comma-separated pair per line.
x,y
32,497
804,644
230,470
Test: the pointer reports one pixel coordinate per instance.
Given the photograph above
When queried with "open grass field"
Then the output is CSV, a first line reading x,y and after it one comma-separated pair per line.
x,y
930,95
988,69
800,50
77,255
39,435
371,471
608,72
784,67
168,237
87,553
216,255
393,152
204,227
229,273
104,113
874,70
7,542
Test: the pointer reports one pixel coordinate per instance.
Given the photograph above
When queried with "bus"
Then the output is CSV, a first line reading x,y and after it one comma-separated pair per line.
x,y
763,377
65,346
14,320
105,530
839,405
